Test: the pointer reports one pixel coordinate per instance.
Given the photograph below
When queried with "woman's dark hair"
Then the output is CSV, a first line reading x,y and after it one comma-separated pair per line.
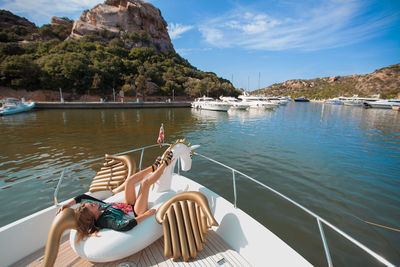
x,y
85,223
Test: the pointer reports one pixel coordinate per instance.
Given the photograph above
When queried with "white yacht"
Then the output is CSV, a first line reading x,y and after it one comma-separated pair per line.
x,y
353,102
233,238
334,101
234,102
210,103
13,105
277,100
257,102
383,103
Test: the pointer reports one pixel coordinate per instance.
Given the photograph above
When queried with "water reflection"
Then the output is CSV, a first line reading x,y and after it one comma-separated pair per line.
x,y
251,114
208,115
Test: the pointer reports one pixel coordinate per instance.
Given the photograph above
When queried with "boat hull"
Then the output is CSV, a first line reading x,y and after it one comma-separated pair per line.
x,y
213,107
252,240
10,111
357,104
301,100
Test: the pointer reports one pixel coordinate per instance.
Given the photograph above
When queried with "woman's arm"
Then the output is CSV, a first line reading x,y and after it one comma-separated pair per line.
x,y
66,205
75,200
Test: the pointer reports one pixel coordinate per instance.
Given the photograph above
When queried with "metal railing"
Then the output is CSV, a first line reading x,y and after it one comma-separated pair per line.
x,y
318,218
63,170
125,152
234,171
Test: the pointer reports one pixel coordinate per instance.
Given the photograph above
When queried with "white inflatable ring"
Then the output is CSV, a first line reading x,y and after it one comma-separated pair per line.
x,y
112,245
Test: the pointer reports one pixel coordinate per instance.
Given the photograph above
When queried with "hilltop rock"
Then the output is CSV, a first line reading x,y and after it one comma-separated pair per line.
x,y
60,21
385,81
135,18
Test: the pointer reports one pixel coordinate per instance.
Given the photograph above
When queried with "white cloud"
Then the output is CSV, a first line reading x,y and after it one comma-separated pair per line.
x,y
332,23
40,11
176,30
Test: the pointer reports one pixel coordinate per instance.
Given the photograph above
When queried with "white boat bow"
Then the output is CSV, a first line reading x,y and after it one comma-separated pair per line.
x,y
254,242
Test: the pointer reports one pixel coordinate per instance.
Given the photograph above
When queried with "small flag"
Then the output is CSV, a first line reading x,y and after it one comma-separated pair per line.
x,y
161,135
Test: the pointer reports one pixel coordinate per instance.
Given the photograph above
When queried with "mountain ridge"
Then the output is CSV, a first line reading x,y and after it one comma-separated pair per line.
x,y
384,81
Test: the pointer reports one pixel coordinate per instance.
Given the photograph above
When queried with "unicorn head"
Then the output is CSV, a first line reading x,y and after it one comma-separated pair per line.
x,y
181,151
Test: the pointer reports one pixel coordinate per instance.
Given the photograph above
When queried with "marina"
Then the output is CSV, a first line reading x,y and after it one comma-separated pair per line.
x,y
133,133
297,168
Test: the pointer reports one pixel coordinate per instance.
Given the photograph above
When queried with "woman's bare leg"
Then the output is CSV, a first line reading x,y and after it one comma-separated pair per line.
x,y
141,205
130,192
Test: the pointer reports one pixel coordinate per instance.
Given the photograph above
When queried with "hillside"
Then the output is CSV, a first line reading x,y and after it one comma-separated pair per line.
x,y
119,45
15,29
385,81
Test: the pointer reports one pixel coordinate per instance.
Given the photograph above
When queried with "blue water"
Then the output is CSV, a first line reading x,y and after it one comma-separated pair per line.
x,y
337,161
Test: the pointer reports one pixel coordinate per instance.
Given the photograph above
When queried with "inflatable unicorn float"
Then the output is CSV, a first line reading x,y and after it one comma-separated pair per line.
x,y
110,245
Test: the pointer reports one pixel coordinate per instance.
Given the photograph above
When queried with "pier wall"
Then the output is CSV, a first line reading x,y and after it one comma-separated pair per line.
x,y
108,105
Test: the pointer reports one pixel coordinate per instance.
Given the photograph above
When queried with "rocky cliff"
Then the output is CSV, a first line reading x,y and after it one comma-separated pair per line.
x,y
138,20
385,81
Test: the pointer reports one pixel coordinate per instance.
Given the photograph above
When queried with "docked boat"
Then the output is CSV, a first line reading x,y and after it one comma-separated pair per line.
x,y
334,101
301,99
209,103
233,239
353,102
234,103
277,100
13,105
257,102
383,103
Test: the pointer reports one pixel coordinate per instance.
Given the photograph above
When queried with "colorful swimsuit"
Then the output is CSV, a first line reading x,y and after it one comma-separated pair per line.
x,y
114,216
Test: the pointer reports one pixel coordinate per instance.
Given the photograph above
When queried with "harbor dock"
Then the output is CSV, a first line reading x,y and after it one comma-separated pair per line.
x,y
108,105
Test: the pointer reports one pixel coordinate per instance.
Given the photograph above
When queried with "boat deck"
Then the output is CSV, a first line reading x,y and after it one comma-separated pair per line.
x,y
216,252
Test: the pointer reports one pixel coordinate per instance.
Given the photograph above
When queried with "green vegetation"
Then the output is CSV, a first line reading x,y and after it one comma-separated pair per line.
x,y
97,63
95,66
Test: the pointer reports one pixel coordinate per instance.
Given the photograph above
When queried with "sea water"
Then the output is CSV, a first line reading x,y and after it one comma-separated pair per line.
x,y
341,162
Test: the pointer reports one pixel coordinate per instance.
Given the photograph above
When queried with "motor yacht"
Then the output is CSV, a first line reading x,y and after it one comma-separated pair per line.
x,y
353,102
13,105
301,99
209,103
383,103
257,102
234,102
277,100
334,101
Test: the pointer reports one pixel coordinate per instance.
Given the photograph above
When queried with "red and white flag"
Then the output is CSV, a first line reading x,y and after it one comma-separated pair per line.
x,y
161,135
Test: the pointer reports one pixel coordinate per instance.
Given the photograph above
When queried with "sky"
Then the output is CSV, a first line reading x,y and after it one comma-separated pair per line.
x,y
257,43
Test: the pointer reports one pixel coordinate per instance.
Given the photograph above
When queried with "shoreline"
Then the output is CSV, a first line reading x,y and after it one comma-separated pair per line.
x,y
112,105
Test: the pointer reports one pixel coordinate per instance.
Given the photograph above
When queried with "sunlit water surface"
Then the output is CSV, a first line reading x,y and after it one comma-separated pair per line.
x,y
338,161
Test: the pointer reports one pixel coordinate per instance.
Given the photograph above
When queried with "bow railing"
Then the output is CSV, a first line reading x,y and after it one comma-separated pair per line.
x,y
320,221
318,218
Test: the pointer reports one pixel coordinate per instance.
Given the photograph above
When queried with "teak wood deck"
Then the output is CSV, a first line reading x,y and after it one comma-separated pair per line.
x,y
216,252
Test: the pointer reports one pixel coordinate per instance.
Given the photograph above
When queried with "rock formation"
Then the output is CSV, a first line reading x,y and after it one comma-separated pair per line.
x,y
385,81
126,17
60,21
